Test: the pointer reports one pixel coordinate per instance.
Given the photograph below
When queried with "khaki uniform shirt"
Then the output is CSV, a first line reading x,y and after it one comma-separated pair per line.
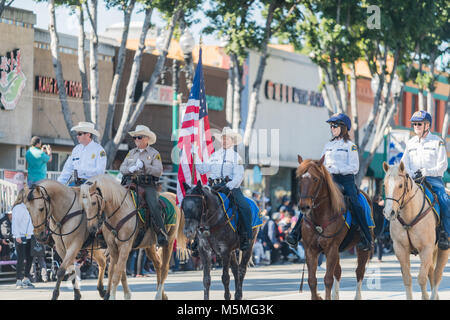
x,y
149,156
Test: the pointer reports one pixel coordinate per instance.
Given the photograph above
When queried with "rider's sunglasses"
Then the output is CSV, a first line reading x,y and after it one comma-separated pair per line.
x,y
419,124
138,137
334,125
81,133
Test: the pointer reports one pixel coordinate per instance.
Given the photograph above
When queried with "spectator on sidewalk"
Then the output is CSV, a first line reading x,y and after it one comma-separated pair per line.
x,y
6,238
37,157
38,257
272,238
22,230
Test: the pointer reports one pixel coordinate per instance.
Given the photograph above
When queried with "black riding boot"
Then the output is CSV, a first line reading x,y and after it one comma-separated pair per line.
x,y
295,235
443,242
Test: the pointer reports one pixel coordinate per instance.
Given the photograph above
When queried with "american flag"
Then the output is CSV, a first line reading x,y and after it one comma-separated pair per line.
x,y
194,135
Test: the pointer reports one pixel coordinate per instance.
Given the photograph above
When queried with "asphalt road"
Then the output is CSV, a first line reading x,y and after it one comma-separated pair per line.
x,y
383,281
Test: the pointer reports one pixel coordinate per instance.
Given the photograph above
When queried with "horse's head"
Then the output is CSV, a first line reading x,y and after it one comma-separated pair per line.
x,y
310,181
93,204
37,201
193,205
396,184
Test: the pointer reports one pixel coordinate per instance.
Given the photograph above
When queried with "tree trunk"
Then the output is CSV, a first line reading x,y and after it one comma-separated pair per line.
x,y
93,63
354,103
230,97
325,93
237,91
54,44
127,11
254,96
127,121
446,119
82,65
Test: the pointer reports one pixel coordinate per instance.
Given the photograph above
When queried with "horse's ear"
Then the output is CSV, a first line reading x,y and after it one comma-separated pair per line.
x,y
402,166
21,195
385,166
300,159
186,186
199,184
321,160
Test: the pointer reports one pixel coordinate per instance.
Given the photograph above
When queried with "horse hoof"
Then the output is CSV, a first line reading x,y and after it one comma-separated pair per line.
x,y
55,295
165,297
106,296
101,292
127,296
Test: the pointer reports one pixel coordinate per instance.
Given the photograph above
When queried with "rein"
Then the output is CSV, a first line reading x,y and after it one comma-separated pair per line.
x,y
59,224
204,226
419,216
103,219
320,229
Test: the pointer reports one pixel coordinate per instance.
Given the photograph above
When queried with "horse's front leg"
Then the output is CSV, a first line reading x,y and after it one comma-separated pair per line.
x,y
426,267
402,254
226,273
99,257
311,261
205,256
332,258
153,255
67,264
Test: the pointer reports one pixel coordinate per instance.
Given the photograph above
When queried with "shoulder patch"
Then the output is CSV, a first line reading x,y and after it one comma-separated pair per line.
x,y
354,147
441,143
158,157
103,153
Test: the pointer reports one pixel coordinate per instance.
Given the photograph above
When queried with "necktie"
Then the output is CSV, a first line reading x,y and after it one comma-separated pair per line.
x,y
223,162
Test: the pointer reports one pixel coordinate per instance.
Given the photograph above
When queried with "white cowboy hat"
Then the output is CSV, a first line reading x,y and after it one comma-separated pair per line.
x,y
86,127
227,131
142,130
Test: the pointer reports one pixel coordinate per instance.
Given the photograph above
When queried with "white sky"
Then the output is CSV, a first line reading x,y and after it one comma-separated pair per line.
x,y
68,24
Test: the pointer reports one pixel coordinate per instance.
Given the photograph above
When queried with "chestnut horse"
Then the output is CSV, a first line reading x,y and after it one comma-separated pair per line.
x,y
324,228
413,230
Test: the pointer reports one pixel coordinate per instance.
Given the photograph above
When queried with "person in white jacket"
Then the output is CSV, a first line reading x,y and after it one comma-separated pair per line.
x,y
224,163
22,230
426,157
88,157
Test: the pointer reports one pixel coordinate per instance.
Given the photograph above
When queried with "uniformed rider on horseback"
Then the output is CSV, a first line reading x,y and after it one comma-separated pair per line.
x,y
143,167
226,163
425,158
341,160
88,158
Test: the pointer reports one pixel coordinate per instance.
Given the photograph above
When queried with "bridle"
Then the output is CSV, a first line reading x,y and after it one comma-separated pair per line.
x,y
59,224
103,219
204,226
320,229
401,201
316,195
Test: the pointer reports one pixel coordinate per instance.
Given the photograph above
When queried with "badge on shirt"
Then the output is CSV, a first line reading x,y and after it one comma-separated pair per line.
x,y
93,156
354,148
103,153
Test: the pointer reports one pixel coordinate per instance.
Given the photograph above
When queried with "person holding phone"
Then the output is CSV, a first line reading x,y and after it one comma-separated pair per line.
x,y
37,158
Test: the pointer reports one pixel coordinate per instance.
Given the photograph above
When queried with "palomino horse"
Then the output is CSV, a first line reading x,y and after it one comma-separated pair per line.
x,y
205,216
413,230
324,228
55,210
110,206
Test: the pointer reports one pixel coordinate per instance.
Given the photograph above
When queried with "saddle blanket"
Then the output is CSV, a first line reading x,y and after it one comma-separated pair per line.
x,y
430,199
233,216
367,212
168,210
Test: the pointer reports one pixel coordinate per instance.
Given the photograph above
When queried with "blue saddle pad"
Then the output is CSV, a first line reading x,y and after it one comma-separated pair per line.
x,y
430,199
367,212
232,219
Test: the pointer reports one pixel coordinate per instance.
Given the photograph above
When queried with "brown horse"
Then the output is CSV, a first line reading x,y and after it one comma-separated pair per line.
x,y
55,210
110,206
324,228
413,230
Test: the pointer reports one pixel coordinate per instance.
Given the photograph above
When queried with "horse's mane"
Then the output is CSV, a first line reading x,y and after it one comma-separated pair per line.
x,y
112,190
336,197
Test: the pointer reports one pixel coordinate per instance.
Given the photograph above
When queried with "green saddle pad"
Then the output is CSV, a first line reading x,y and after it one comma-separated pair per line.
x,y
170,215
